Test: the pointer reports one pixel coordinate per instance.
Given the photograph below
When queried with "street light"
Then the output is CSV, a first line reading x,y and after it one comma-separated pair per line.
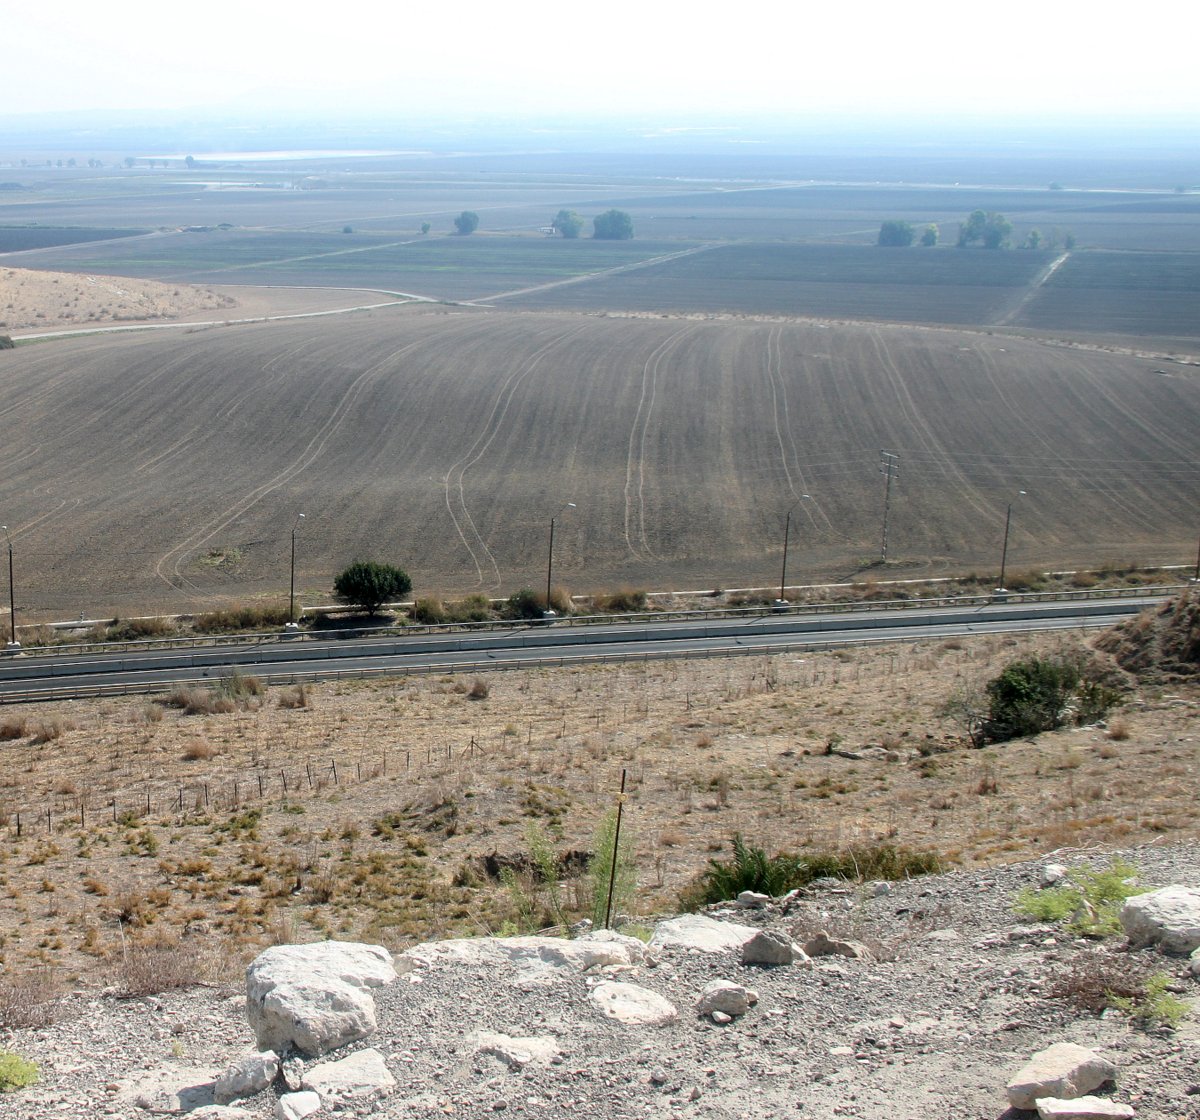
x,y
13,644
781,604
292,625
549,611
1004,552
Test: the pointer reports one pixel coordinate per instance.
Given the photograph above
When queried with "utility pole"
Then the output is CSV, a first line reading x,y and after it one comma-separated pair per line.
x,y
889,467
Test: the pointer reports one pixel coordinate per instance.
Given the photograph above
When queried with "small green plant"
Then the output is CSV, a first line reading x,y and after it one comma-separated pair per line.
x,y
1088,905
1155,1006
600,870
1038,694
16,1072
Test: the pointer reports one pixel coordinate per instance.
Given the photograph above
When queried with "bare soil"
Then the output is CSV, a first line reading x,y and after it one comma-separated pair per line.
x,y
364,813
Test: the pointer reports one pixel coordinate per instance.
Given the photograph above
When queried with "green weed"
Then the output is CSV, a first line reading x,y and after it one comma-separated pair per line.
x,y
1090,905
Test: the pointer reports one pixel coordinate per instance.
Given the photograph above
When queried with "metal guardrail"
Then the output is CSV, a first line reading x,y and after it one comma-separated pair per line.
x,y
568,621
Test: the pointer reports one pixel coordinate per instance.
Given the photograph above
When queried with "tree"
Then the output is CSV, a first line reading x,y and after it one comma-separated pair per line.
x,y
612,225
991,228
425,227
568,223
1033,239
368,585
467,222
930,237
129,161
896,233
191,162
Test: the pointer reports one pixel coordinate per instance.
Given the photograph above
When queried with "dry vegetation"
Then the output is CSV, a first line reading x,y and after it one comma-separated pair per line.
x,y
237,818
36,301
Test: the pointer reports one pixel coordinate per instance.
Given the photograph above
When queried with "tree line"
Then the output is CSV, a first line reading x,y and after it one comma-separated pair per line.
x,y
988,228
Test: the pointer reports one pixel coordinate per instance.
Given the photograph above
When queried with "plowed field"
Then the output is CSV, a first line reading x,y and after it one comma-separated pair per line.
x,y
144,471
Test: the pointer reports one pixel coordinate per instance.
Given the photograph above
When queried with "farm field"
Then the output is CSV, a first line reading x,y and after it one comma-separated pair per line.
x,y
150,472
448,268
1122,293
839,281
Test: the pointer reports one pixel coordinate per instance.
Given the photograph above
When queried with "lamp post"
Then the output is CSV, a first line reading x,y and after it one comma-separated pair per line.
x,y
291,626
549,611
13,644
781,604
1001,590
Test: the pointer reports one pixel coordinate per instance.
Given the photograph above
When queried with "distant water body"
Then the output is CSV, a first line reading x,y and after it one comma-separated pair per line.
x,y
284,154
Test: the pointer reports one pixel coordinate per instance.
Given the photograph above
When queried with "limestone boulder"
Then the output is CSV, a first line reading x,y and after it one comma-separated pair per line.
x,y
698,931
726,997
246,1077
633,1004
359,1076
1168,918
1064,1071
315,997
1083,1108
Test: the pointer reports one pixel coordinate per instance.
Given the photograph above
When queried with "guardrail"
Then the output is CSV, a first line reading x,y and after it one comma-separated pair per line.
x,y
277,638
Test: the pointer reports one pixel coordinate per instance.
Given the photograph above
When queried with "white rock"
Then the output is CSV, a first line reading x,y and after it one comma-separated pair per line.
x,y
942,935
1194,962
517,1053
726,997
219,1112
534,958
171,1088
1169,918
631,1003
1052,873
246,1077
752,900
1082,1108
315,997
772,947
697,931
295,1106
1063,1070
362,1074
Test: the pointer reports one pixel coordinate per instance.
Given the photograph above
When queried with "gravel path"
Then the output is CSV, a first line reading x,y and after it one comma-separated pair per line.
x,y
932,1028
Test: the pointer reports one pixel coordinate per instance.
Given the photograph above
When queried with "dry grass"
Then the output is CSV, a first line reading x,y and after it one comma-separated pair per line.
x,y
356,814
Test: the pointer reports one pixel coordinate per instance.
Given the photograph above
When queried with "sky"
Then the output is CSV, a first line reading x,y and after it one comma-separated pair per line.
x,y
934,58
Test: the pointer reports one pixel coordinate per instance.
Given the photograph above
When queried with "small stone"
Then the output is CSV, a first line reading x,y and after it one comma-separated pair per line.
x,y
658,1076
752,900
720,1017
1052,873
771,947
295,1106
726,997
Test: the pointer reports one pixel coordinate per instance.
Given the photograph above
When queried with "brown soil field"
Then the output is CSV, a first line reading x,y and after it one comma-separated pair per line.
x,y
149,472
361,809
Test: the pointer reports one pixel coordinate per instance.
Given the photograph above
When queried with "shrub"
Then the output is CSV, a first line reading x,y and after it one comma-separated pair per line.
x,y
479,690
625,600
368,585
525,603
145,970
16,1072
1038,694
28,999
467,222
428,612
1090,902
751,869
1096,981
13,729
240,618
137,629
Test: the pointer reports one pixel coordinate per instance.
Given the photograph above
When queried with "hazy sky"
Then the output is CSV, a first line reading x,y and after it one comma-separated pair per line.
x,y
1053,57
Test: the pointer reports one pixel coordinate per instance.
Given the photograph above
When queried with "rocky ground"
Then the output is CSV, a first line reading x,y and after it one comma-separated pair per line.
x,y
952,1005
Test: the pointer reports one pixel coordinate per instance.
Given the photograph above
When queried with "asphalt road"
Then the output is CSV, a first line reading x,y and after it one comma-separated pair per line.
x,y
29,677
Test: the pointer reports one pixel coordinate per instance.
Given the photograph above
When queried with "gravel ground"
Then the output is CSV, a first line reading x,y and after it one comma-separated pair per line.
x,y
932,1028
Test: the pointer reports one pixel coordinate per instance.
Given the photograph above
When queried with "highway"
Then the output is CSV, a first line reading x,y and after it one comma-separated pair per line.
x,y
44,676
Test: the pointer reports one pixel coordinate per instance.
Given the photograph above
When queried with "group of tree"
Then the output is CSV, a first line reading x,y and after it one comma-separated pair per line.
x,y
991,229
612,225
900,234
